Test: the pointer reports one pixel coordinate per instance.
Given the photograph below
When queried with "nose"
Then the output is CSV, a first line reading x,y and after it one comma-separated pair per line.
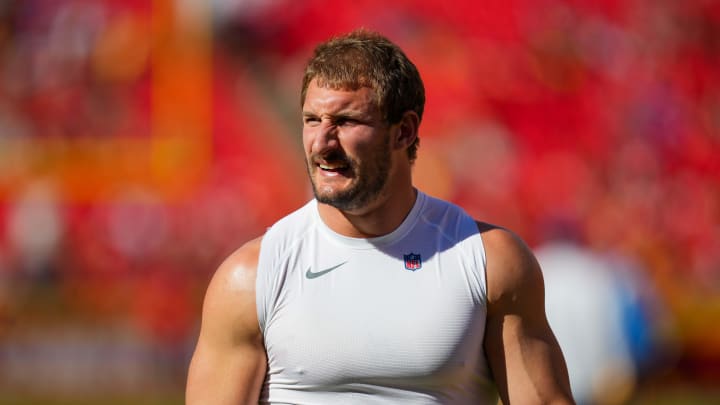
x,y
326,137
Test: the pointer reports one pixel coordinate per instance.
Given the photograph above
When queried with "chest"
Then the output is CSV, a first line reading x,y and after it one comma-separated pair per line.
x,y
398,314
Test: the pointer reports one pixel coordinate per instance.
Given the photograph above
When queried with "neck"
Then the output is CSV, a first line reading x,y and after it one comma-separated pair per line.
x,y
377,219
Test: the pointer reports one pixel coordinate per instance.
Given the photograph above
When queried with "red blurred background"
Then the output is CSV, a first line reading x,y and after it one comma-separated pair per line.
x,y
142,141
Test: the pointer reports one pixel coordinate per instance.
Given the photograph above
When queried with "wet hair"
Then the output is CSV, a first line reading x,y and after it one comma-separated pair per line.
x,y
364,58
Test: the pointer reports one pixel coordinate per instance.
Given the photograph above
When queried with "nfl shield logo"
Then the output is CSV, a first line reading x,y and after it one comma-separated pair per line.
x,y
413,262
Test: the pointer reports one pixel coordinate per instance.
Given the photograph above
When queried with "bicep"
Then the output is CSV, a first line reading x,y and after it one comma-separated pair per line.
x,y
226,375
524,356
229,362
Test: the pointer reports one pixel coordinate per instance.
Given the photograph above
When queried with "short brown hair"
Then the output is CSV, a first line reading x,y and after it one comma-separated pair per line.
x,y
364,58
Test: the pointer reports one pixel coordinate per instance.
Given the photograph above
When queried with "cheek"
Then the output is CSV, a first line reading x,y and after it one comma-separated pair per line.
x,y
307,141
359,143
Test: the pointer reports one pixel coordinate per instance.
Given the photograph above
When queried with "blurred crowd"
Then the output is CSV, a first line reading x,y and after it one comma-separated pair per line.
x,y
591,124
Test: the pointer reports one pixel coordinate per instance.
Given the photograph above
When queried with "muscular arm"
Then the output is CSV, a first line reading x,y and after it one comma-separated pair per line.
x,y
524,355
229,362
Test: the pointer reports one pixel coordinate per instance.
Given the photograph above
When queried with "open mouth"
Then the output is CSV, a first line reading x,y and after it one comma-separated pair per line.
x,y
333,164
335,169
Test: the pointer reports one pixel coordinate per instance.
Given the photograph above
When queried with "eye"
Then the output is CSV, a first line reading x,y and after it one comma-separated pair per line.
x,y
345,121
310,120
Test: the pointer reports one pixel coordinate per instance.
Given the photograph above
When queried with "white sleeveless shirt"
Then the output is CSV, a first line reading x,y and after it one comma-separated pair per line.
x,y
397,319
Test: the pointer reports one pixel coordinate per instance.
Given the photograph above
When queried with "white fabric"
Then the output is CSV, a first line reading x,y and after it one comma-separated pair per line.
x,y
370,331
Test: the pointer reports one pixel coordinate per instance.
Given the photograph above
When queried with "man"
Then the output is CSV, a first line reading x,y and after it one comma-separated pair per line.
x,y
374,292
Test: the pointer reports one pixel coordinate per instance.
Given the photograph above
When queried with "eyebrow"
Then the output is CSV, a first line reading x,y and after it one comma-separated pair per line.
x,y
341,114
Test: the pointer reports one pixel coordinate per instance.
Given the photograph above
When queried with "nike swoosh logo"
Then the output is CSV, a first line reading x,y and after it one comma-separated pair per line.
x,y
310,274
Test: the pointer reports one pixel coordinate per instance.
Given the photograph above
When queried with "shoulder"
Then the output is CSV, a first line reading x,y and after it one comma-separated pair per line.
x,y
291,228
230,298
439,209
237,270
228,364
448,218
511,266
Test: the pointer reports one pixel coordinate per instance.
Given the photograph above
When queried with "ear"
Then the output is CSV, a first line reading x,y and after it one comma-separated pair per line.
x,y
407,130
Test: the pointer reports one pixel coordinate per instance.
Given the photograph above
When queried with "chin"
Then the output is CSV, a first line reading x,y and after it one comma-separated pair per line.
x,y
330,192
344,199
335,199
334,188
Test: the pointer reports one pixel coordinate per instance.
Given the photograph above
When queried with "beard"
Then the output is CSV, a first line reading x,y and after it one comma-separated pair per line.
x,y
368,178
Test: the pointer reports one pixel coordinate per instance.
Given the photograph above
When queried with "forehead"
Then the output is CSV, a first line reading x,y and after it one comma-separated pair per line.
x,y
326,99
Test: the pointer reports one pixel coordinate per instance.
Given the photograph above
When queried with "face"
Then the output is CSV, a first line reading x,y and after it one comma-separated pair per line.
x,y
347,146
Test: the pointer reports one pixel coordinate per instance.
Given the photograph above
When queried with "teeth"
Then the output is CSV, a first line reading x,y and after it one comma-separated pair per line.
x,y
330,167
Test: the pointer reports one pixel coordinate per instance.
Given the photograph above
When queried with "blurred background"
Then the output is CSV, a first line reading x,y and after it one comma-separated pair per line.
x,y
143,141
